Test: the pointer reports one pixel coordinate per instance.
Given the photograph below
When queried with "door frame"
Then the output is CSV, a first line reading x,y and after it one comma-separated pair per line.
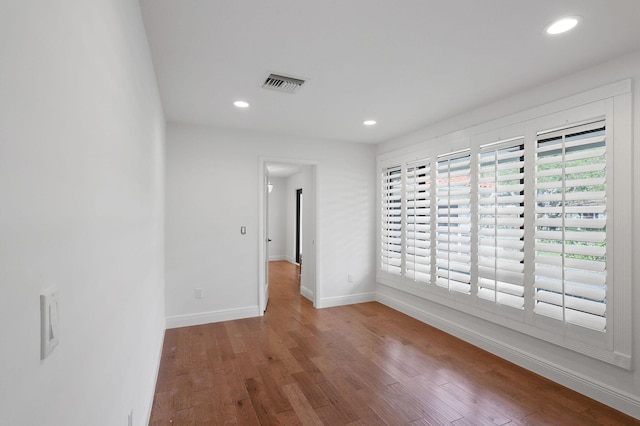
x,y
298,222
263,217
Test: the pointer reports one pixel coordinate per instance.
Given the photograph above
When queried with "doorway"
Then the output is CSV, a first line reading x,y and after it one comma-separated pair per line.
x,y
295,179
299,226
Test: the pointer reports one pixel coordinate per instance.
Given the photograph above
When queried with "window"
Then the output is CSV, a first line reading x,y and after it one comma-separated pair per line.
x,y
570,226
568,215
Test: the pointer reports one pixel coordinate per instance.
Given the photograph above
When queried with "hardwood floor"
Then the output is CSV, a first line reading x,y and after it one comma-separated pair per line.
x,y
361,364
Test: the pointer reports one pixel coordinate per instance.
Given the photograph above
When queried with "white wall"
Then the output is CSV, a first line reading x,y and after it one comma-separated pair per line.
x,y
305,181
294,183
278,219
612,385
207,169
81,184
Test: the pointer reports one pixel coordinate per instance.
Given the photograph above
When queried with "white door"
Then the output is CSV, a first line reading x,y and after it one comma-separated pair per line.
x,y
265,239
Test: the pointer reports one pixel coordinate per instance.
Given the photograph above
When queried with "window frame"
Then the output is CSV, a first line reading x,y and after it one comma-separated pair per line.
x,y
613,102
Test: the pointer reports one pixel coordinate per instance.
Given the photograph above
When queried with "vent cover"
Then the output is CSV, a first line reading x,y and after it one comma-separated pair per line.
x,y
282,83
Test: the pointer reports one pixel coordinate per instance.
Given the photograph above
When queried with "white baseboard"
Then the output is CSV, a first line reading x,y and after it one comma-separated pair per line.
x,y
306,293
213,316
283,257
618,399
328,302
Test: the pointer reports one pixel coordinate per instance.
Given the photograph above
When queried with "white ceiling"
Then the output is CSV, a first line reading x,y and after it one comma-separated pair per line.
x,y
404,63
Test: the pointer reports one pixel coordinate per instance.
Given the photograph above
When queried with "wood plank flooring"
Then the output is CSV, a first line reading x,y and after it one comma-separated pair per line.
x,y
362,364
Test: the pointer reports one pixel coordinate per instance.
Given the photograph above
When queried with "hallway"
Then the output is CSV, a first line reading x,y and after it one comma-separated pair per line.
x,y
359,364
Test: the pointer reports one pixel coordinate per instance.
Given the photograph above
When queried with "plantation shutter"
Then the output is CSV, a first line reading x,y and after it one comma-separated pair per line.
x,y
391,223
453,230
501,223
418,221
570,226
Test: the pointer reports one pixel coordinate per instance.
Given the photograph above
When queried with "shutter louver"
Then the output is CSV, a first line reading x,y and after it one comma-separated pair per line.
x,y
501,223
391,232
570,226
418,222
453,230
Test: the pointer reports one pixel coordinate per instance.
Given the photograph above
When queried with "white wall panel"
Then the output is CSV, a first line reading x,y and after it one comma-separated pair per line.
x,y
212,190
81,184
278,219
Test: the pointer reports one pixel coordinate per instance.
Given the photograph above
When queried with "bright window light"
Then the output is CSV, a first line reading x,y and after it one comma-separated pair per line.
x,y
563,25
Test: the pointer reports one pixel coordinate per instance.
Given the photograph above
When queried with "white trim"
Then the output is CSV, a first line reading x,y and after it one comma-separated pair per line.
x,y
624,216
306,293
616,398
212,316
284,257
350,299
261,235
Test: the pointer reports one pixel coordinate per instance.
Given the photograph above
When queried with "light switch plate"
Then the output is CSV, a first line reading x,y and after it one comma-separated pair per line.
x,y
49,324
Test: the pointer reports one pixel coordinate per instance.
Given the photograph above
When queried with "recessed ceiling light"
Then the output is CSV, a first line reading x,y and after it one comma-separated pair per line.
x,y
241,104
369,122
563,25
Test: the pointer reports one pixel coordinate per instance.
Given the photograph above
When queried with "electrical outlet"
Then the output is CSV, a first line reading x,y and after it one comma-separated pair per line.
x,y
349,278
198,293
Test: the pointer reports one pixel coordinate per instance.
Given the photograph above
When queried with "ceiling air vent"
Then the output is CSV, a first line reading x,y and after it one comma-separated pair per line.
x,y
281,83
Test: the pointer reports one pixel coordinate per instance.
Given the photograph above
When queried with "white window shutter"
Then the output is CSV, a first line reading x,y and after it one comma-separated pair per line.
x,y
391,221
418,221
570,226
501,223
453,223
